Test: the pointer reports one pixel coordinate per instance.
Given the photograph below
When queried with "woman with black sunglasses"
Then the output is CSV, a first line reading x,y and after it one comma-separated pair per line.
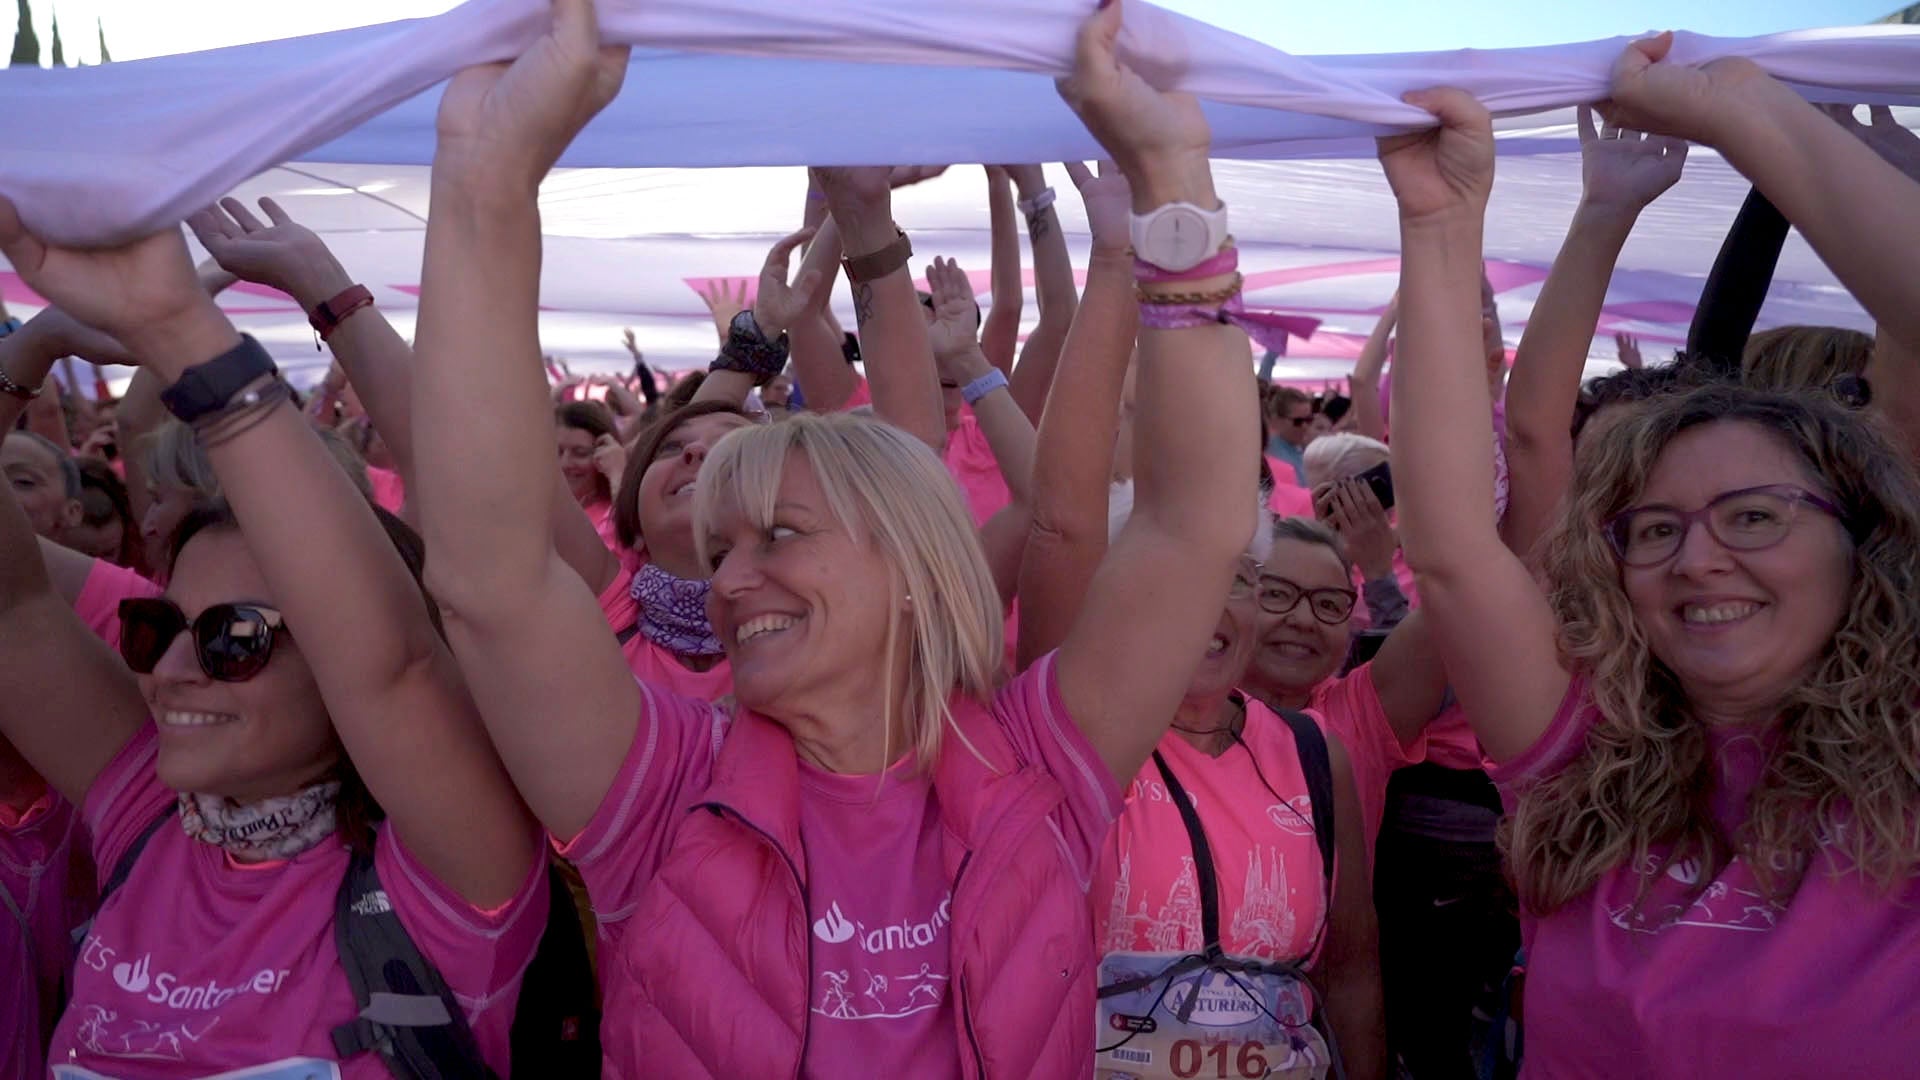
x,y
291,709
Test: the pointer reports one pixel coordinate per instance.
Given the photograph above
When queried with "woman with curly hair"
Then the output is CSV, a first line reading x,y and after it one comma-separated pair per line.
x,y
1705,719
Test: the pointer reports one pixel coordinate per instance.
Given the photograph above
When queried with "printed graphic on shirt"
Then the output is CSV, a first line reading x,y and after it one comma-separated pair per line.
x,y
880,972
1723,905
105,1030
287,1069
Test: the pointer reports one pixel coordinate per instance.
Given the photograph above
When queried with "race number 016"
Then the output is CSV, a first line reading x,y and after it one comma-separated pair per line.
x,y
1189,1058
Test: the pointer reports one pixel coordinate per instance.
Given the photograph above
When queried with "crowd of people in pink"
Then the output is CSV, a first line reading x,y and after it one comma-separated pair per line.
x,y
924,699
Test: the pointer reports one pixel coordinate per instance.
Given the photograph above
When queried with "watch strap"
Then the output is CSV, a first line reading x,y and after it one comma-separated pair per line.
x,y
328,314
982,386
207,388
749,351
864,268
1040,202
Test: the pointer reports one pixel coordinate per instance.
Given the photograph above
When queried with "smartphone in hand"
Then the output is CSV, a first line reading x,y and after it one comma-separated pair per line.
x,y
1380,479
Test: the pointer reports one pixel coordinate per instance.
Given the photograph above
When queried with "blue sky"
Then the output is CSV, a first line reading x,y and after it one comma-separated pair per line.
x,y
137,28
1350,26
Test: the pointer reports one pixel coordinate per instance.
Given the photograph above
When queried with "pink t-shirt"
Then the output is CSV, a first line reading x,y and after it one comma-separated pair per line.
x,y
862,394
1289,499
600,512
98,604
46,889
874,874
650,663
198,965
1451,742
389,491
971,462
881,956
1350,708
1272,890
1714,978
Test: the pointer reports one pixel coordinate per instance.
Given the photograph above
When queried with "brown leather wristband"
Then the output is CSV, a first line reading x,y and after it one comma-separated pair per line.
x,y
879,264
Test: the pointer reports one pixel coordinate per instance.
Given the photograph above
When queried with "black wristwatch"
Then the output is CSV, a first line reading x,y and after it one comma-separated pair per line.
x,y
749,352
206,388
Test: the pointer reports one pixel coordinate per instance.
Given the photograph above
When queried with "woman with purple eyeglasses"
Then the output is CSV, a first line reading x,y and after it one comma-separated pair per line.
x,y
1704,712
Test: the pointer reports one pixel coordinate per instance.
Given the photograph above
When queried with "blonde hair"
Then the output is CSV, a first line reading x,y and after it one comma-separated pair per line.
x,y
173,458
1790,358
1342,454
885,488
1845,772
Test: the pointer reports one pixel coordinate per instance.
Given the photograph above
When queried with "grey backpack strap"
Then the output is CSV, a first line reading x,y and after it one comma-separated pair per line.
x,y
1317,767
407,1014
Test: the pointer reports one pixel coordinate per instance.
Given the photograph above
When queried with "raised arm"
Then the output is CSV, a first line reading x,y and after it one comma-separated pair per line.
x,y
748,353
1053,288
288,256
1894,371
1000,333
893,329
1367,419
1492,625
820,365
1622,173
1859,213
1073,452
1152,606
527,630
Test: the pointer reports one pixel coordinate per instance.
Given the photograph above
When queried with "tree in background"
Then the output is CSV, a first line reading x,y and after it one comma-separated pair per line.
x,y
102,27
59,57
26,43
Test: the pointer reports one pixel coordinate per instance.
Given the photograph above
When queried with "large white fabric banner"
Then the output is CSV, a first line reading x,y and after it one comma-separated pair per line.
x,y
100,154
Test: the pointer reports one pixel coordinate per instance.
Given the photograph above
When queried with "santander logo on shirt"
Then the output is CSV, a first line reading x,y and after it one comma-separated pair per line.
x,y
166,988
835,928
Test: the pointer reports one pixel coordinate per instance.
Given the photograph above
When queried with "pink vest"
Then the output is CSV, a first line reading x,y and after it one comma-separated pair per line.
x,y
721,931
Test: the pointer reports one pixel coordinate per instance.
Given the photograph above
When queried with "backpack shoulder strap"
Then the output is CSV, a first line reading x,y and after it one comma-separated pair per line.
x,y
123,867
407,1013
1317,767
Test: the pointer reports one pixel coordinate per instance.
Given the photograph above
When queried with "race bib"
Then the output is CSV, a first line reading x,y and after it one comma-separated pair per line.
x,y
1238,1024
286,1069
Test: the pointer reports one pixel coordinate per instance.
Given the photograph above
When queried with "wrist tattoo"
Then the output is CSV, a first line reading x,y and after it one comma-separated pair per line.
x,y
1039,223
862,303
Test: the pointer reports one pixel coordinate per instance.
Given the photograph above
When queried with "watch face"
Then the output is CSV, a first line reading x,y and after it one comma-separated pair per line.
x,y
1177,239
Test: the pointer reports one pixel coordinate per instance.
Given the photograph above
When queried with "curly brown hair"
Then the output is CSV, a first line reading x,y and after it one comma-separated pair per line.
x,y
1849,747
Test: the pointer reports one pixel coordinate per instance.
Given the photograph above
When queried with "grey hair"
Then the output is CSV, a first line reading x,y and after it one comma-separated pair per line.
x,y
1342,454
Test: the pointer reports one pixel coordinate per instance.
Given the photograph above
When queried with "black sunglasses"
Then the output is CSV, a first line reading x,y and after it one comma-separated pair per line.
x,y
233,642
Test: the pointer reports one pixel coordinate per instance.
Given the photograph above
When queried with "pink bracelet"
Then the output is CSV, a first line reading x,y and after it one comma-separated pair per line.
x,y
1225,261
1269,329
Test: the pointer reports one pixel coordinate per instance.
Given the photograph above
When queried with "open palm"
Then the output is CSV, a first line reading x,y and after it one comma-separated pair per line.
x,y
1625,168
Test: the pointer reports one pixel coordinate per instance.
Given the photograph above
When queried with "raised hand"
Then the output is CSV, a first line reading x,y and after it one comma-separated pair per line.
x,y
502,126
777,305
1673,99
1159,140
724,301
1446,169
285,255
1629,350
610,458
1900,147
627,339
1109,202
1623,169
60,334
143,293
954,332
1350,507
908,175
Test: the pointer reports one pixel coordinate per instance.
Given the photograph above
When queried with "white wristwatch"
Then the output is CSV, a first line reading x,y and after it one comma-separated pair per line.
x,y
1178,236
